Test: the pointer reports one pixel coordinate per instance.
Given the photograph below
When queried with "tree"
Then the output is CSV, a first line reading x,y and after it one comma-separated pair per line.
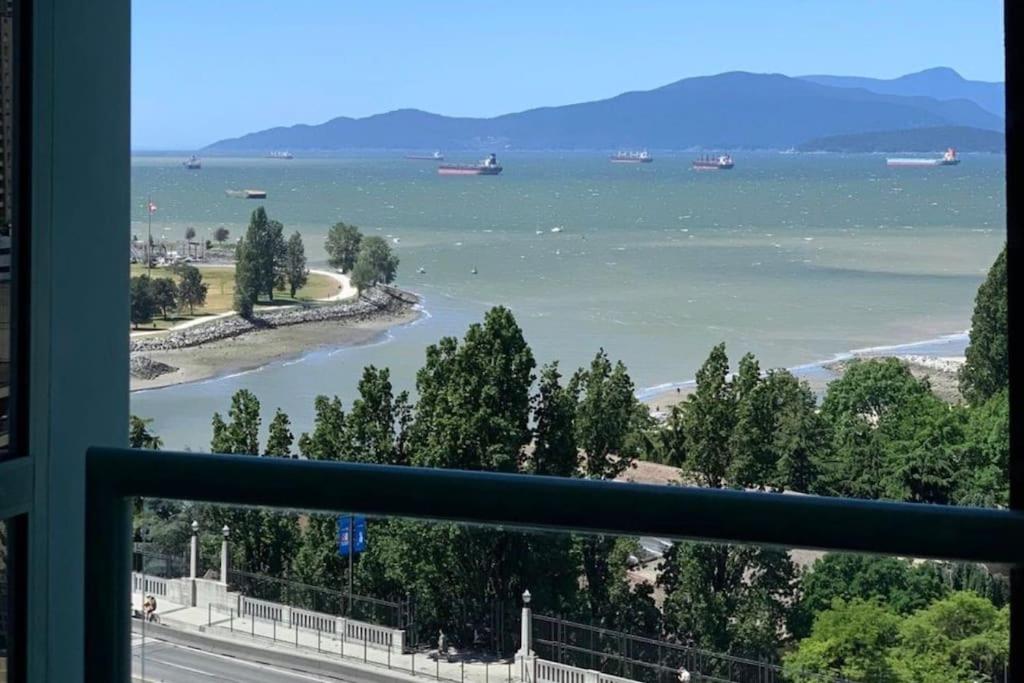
x,y
375,264
246,279
164,293
190,234
221,234
191,289
851,639
609,418
985,476
259,260
343,246
295,264
279,437
898,584
377,425
474,406
555,452
986,370
142,304
707,420
961,638
139,435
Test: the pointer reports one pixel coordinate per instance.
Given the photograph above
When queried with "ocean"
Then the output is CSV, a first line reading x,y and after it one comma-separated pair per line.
x,y
798,258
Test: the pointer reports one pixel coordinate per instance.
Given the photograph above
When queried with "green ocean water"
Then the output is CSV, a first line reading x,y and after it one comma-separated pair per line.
x,y
797,258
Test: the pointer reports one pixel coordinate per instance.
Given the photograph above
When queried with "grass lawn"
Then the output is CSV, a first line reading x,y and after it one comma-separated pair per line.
x,y
220,281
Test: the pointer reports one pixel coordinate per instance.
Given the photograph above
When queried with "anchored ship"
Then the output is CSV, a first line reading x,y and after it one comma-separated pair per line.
x,y
721,162
488,166
631,157
193,163
949,158
436,156
280,155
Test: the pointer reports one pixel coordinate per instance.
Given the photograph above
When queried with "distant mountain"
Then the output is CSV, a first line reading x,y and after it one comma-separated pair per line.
x,y
935,139
942,83
730,110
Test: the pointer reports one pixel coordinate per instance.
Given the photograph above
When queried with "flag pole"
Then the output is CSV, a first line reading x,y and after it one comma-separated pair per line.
x,y
351,542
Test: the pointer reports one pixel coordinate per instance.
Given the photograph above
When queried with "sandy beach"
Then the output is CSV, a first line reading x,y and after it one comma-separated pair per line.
x,y
254,350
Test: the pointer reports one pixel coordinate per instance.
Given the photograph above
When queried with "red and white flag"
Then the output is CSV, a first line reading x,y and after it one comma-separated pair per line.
x,y
152,207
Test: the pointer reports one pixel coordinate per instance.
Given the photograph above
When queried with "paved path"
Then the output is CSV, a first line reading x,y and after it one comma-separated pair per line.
x,y
169,663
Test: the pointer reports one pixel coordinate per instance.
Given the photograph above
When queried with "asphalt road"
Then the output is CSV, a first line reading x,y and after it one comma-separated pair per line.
x,y
169,663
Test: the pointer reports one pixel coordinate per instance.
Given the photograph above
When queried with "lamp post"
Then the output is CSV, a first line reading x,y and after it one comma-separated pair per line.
x,y
224,555
194,549
526,628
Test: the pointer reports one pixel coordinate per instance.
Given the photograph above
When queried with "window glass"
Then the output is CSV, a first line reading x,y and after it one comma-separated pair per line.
x,y
7,199
6,605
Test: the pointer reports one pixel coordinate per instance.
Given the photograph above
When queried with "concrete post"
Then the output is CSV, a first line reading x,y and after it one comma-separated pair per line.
x,y
526,628
194,551
224,555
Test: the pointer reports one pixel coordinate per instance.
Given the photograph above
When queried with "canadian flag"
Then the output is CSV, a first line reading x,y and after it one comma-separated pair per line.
x,y
152,207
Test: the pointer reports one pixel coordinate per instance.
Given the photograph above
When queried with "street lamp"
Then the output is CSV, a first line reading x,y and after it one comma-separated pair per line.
x,y
224,555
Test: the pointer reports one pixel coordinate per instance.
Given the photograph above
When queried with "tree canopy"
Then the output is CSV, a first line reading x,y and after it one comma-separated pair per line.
x,y
342,245
987,370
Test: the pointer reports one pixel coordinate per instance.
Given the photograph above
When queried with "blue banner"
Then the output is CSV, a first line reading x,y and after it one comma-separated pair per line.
x,y
358,532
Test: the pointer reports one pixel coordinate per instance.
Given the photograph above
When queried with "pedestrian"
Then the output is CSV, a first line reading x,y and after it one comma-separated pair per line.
x,y
442,644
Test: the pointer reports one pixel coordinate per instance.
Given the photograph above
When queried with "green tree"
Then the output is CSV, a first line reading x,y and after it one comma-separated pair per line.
x,y
165,294
139,435
295,264
728,598
279,438
707,419
142,304
985,476
961,638
221,234
375,264
191,289
852,639
190,234
246,278
898,584
342,246
555,452
986,370
377,424
609,418
474,406
260,259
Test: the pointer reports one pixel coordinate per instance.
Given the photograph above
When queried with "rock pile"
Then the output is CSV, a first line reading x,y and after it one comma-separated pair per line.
x,y
372,303
144,367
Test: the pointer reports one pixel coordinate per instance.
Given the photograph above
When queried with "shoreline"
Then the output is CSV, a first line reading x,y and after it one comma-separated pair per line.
x,y
939,367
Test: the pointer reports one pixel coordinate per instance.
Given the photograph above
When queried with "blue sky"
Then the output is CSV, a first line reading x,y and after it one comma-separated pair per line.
x,y
207,69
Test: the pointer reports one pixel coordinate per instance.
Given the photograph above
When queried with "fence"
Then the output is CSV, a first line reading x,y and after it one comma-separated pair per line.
x,y
150,585
159,564
616,654
391,613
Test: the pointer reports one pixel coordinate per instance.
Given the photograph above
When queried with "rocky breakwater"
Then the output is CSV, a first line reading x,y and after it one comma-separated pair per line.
x,y
378,302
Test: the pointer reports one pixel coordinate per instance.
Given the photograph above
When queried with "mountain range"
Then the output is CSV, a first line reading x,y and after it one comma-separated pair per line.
x,y
730,110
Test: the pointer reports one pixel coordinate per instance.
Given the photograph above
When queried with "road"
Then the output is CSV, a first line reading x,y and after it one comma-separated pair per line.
x,y
169,663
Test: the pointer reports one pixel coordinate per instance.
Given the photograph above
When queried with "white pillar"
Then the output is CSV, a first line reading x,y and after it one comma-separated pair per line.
x,y
224,555
194,551
526,628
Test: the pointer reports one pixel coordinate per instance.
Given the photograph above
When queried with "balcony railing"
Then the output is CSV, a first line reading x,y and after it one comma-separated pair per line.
x,y
114,476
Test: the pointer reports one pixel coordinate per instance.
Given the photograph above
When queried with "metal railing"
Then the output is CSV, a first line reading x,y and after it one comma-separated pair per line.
x,y
114,475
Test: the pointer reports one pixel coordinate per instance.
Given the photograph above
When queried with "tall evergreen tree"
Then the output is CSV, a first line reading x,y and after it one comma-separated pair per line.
x,y
708,419
342,246
987,370
555,452
295,264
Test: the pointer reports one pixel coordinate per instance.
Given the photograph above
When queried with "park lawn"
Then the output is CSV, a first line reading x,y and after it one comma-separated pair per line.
x,y
220,281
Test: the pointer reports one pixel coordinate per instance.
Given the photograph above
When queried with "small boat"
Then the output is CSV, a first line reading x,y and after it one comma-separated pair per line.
x,y
473,272
192,163
436,156
556,229
246,194
421,270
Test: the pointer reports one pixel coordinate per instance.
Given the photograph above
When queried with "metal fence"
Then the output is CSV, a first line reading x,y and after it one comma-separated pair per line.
x,y
159,564
648,660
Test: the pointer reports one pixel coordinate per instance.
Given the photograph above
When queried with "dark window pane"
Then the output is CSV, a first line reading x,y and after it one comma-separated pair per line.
x,y
7,73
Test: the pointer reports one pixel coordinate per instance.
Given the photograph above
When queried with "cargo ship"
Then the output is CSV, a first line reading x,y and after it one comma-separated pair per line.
x,y
722,162
436,156
280,155
193,163
488,166
949,158
627,157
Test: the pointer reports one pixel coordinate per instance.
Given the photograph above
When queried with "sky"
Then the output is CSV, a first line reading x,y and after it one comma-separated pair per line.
x,y
203,70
